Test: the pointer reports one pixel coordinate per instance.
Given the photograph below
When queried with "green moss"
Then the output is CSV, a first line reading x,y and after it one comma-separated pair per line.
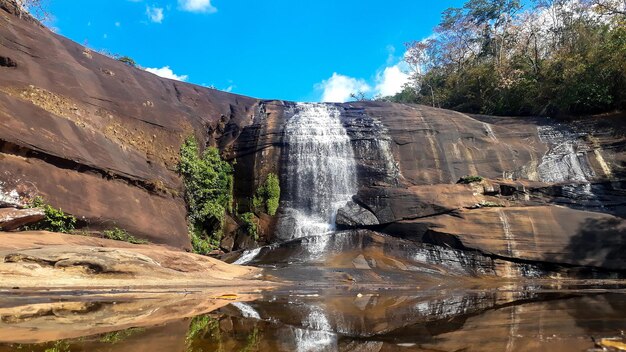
x,y
208,181
55,219
121,235
268,195
470,179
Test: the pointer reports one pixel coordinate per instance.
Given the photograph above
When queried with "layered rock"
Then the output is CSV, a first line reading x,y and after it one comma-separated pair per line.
x,y
100,140
11,218
34,260
97,137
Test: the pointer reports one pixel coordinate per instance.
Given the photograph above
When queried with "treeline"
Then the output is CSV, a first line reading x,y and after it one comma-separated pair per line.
x,y
553,57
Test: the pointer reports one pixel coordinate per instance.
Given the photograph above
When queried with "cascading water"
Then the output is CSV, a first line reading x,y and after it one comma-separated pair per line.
x,y
320,176
321,170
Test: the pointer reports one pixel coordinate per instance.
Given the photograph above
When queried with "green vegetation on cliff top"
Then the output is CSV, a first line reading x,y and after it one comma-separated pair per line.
x,y
508,57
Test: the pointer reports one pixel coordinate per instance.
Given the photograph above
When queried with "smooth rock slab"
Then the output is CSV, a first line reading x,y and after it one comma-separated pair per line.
x,y
11,218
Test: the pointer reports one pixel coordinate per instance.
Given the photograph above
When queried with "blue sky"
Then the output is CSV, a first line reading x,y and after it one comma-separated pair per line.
x,y
276,49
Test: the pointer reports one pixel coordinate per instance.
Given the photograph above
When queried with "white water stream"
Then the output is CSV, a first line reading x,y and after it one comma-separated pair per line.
x,y
321,169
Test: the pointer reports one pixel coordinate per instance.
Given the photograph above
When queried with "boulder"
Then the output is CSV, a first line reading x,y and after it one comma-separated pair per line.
x,y
11,218
354,215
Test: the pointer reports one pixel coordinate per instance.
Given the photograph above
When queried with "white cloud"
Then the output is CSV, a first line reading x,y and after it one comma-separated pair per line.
x,y
391,54
338,88
155,14
391,80
166,72
197,6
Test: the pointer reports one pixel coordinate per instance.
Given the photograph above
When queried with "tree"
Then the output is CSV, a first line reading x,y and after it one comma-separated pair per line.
x,y
560,57
36,8
610,7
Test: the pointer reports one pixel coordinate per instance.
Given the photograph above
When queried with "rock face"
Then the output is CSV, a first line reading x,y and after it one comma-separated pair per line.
x,y
548,192
100,140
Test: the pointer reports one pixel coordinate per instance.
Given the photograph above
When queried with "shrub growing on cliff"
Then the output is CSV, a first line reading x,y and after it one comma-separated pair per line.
x,y
122,235
208,181
55,219
127,60
466,180
249,225
268,195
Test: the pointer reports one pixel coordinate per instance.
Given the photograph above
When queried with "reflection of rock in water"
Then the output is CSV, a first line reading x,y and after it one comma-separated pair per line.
x,y
486,321
511,319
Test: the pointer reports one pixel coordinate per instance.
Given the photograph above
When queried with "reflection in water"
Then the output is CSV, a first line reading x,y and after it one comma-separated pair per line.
x,y
316,334
373,322
246,310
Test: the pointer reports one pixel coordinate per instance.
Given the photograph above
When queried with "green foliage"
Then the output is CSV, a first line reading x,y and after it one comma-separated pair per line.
x,y
55,219
208,182
470,179
202,327
127,60
252,341
202,244
268,195
118,336
59,346
122,235
250,225
489,57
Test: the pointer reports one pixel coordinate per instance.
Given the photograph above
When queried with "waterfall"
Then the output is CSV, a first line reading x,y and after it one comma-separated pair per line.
x,y
321,170
320,176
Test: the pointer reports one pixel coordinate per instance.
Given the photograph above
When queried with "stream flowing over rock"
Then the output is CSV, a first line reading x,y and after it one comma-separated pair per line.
x,y
100,140
320,172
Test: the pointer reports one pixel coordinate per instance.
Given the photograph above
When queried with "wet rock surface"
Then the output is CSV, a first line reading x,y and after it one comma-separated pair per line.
x,y
353,215
372,259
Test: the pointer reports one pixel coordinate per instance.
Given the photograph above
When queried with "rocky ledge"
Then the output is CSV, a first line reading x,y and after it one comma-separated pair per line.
x,y
31,260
